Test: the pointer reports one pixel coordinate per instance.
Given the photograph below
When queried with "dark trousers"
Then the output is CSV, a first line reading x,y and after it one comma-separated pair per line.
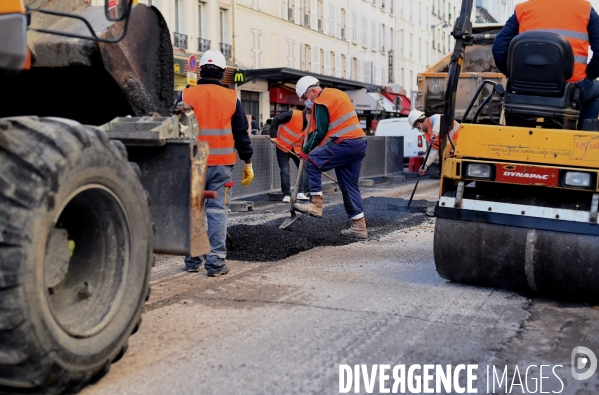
x,y
346,158
283,160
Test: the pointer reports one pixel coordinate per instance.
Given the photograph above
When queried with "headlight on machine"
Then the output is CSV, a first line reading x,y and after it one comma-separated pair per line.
x,y
577,179
478,170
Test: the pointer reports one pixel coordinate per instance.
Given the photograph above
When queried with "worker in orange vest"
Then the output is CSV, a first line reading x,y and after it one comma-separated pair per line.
x,y
578,22
287,129
430,127
223,124
337,142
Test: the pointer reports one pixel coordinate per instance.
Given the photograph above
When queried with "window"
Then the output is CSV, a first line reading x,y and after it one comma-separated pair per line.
x,y
327,62
332,31
304,57
305,13
344,74
367,69
290,58
364,30
224,26
354,69
373,33
392,39
382,38
179,17
354,27
256,51
202,28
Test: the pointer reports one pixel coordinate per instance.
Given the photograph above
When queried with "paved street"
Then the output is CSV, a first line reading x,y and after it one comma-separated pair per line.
x,y
284,327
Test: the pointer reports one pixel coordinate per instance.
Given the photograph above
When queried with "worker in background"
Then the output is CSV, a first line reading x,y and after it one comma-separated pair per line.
x,y
224,125
288,130
338,142
430,127
254,125
579,23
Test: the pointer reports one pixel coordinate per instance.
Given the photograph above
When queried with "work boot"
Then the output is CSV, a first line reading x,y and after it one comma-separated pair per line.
x,y
357,229
313,208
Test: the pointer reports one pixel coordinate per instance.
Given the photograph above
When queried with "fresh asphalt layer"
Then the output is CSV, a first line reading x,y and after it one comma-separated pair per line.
x,y
284,326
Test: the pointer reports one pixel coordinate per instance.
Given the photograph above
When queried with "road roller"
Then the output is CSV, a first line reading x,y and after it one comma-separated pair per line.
x,y
519,193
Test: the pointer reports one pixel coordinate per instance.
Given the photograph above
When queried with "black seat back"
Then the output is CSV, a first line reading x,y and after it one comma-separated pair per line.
x,y
539,63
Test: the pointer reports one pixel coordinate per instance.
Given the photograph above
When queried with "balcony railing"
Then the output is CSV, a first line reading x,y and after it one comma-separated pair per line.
x,y
203,45
181,41
226,50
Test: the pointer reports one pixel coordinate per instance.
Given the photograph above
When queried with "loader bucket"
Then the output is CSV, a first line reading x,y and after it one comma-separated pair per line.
x,y
553,263
90,82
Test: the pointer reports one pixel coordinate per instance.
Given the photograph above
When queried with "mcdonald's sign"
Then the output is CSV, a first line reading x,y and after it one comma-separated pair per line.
x,y
239,77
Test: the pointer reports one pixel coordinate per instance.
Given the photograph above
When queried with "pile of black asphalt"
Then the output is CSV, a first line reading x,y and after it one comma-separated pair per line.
x,y
266,242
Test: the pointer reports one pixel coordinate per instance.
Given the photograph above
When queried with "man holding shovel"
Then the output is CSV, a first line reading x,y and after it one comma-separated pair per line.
x,y
338,142
286,130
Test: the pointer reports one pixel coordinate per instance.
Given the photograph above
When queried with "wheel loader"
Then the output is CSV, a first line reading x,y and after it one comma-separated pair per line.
x,y
96,175
519,192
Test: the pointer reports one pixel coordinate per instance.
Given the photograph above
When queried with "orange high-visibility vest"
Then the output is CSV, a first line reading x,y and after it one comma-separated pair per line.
x,y
569,18
343,120
428,135
214,106
290,135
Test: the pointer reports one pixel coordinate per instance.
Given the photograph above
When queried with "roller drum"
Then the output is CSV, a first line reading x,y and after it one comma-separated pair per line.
x,y
553,263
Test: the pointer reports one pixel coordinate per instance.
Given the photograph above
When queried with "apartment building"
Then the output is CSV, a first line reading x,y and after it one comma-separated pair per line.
x,y
492,11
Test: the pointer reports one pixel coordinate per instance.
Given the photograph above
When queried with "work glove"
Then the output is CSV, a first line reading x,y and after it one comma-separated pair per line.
x,y
303,155
422,170
248,175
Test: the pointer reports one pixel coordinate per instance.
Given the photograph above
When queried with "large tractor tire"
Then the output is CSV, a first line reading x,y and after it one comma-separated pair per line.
x,y
75,254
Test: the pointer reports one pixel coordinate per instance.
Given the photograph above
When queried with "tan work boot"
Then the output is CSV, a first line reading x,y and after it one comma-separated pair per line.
x,y
313,208
357,229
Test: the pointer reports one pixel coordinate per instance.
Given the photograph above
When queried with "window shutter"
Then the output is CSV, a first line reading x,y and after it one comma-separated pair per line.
x,y
286,10
338,71
338,25
315,56
364,30
313,14
327,63
296,12
354,17
303,56
325,18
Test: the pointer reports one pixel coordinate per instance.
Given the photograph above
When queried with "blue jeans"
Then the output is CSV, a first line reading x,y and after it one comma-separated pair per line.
x,y
283,161
346,158
216,215
589,97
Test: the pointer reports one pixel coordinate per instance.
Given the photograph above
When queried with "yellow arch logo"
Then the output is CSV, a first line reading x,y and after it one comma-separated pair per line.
x,y
239,77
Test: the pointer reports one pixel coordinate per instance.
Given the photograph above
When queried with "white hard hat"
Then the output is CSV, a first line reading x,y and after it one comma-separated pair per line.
x,y
303,84
214,57
415,115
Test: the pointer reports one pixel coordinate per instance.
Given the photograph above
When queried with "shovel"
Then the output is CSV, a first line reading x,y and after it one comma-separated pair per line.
x,y
418,209
298,179
294,154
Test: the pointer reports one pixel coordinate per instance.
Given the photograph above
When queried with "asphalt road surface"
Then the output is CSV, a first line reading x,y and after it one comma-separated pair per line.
x,y
295,324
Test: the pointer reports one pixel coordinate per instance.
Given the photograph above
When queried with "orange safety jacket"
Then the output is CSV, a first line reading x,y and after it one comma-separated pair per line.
x,y
428,135
569,18
290,135
343,120
214,107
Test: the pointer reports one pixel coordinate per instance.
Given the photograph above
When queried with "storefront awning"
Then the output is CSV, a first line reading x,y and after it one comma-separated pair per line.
x,y
284,75
405,103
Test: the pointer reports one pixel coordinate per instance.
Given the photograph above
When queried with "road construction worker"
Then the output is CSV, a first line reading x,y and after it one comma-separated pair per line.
x,y
287,129
430,127
578,22
224,125
337,142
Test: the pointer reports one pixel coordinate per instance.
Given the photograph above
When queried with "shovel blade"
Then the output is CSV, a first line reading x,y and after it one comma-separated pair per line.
x,y
289,221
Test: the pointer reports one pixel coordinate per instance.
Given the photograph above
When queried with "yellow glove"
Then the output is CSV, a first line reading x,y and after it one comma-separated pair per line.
x,y
248,175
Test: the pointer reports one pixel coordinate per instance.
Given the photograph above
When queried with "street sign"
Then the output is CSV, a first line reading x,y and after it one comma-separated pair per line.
x,y
192,63
192,78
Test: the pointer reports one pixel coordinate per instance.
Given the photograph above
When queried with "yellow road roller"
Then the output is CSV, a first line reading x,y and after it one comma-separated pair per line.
x,y
519,192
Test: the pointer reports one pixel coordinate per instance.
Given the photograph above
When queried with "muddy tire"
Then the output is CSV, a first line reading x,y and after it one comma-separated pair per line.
x,y
75,254
434,171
